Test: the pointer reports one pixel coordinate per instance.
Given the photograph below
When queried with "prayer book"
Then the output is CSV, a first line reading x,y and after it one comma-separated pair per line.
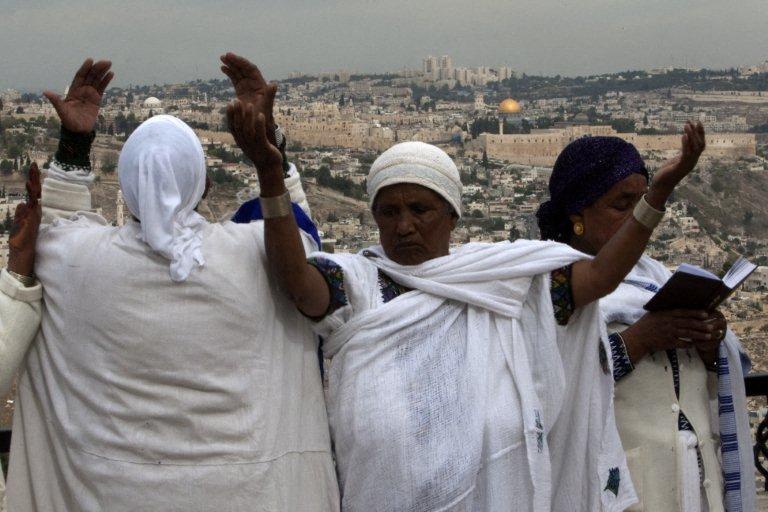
x,y
691,287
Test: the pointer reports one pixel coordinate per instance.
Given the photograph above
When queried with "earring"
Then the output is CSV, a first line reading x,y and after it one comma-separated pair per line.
x,y
578,228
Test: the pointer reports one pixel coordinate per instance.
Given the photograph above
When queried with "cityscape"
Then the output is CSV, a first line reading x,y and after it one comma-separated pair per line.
x,y
504,130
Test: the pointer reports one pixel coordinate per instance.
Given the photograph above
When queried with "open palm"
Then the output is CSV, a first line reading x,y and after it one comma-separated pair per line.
x,y
79,110
693,143
250,86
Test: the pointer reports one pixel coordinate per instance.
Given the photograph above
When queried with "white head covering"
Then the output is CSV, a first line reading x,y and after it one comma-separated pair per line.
x,y
418,163
162,177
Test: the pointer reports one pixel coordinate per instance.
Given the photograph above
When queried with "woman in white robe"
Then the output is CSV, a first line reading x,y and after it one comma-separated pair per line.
x,y
165,375
683,453
451,385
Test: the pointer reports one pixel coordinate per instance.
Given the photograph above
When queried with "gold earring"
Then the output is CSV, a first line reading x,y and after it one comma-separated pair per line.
x,y
578,228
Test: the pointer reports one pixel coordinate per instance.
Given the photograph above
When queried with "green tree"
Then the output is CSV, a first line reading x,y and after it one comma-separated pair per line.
x,y
6,167
109,164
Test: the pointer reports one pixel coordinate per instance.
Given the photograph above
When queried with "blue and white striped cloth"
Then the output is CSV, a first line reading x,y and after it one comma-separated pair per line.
x,y
733,363
729,445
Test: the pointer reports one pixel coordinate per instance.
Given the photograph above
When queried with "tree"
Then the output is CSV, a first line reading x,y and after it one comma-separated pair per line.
x,y
121,123
6,167
485,160
14,151
623,125
108,164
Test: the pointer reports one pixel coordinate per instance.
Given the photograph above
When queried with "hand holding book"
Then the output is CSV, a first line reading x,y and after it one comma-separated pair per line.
x,y
691,287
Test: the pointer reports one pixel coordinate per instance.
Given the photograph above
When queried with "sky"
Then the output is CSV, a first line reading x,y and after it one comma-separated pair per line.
x,y
42,42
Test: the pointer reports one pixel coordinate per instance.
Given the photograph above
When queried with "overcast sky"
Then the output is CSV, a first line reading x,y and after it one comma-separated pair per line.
x,y
167,41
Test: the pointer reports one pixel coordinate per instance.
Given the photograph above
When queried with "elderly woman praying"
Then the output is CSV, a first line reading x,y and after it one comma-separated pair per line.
x,y
466,379
162,372
665,363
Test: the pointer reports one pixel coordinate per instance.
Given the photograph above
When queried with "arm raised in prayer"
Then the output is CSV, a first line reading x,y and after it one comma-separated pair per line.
x,y
285,253
66,187
596,278
251,88
79,110
19,294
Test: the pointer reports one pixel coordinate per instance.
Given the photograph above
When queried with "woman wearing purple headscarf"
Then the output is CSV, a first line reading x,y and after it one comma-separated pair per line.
x,y
664,363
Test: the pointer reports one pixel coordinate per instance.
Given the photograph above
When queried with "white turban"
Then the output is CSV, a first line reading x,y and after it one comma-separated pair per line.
x,y
162,176
418,163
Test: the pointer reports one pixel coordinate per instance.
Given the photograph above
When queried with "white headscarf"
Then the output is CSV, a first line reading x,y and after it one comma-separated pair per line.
x,y
418,163
162,177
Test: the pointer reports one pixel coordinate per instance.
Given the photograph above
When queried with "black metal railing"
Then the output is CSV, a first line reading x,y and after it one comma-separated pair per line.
x,y
757,385
5,441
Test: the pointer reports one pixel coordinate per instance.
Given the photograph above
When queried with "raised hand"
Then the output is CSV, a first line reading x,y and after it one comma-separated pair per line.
x,y
79,111
251,88
249,128
26,222
672,172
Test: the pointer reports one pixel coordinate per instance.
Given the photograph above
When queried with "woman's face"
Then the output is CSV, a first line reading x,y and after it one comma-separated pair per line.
x,y
414,223
604,217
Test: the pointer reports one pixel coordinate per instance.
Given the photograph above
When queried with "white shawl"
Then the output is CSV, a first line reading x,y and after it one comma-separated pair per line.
x,y
464,394
162,177
625,305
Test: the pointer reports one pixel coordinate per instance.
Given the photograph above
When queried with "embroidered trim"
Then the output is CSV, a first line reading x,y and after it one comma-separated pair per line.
x,y
562,294
74,151
390,290
614,480
622,366
334,277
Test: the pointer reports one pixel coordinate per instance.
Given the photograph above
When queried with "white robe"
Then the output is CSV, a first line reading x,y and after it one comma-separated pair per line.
x,y
463,394
625,307
140,393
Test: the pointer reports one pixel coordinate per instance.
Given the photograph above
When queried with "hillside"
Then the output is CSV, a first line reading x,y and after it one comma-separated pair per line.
x,y
729,202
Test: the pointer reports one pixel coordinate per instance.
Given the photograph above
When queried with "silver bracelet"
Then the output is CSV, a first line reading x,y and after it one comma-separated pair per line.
x,y
26,281
646,214
273,207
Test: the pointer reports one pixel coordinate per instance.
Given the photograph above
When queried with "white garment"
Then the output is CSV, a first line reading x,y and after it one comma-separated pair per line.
x,y
139,393
649,388
419,163
20,306
292,183
689,487
463,394
162,178
19,319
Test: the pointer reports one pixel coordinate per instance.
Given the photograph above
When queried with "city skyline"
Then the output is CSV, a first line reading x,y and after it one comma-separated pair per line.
x,y
181,40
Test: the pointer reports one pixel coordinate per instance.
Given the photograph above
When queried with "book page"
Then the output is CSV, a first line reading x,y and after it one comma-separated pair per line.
x,y
738,272
686,268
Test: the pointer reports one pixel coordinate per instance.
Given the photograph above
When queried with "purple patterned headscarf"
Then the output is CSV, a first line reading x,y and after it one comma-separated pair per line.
x,y
584,171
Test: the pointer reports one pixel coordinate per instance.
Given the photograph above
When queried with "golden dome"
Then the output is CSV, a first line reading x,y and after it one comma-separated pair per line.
x,y
510,106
